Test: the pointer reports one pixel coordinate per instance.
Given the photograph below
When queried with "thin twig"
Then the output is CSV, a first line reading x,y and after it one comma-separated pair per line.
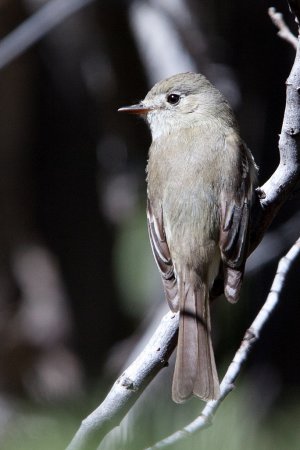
x,y
251,336
36,26
284,31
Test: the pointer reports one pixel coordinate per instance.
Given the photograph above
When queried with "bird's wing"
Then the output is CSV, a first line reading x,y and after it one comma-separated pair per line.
x,y
235,213
162,255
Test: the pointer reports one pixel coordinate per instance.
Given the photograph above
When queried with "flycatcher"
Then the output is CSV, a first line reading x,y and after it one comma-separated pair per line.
x,y
201,178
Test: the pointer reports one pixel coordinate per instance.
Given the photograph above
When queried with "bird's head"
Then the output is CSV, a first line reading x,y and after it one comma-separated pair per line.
x,y
181,101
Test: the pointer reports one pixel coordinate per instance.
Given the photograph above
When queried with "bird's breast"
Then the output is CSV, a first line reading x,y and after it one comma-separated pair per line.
x,y
184,182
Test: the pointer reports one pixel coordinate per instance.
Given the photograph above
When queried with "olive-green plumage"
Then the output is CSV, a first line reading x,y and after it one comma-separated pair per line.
x,y
200,180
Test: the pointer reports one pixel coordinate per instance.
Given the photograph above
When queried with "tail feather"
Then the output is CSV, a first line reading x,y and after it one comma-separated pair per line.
x,y
195,368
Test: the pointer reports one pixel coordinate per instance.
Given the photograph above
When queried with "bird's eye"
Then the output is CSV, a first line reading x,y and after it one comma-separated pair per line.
x,y
173,99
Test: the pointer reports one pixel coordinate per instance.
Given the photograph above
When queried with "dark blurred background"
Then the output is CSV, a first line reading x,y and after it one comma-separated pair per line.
x,y
77,281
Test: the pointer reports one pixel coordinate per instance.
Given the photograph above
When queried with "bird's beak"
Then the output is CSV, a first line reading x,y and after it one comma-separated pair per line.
x,y
140,108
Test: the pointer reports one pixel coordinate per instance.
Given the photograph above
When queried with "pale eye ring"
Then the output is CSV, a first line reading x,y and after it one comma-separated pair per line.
x,y
173,99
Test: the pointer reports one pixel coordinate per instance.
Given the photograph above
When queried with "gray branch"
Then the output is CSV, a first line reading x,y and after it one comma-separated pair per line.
x,y
280,185
36,26
234,369
283,30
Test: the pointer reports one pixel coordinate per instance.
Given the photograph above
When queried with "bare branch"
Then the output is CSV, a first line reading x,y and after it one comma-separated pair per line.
x,y
250,337
129,386
284,31
280,185
134,380
36,26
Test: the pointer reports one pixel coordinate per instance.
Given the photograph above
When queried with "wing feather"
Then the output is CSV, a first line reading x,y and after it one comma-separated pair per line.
x,y
235,216
162,256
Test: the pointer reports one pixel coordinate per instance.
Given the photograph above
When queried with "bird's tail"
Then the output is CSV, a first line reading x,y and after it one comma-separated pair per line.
x,y
195,368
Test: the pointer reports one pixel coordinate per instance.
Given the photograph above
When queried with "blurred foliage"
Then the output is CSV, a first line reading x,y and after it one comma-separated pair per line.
x,y
236,426
133,258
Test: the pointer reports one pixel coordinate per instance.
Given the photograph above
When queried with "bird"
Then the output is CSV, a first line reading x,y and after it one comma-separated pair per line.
x,y
201,180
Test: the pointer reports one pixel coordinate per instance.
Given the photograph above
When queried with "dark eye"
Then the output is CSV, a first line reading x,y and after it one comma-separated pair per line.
x,y
173,99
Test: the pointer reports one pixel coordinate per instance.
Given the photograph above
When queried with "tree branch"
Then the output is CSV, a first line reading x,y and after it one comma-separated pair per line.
x,y
284,31
36,26
273,194
134,380
250,337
